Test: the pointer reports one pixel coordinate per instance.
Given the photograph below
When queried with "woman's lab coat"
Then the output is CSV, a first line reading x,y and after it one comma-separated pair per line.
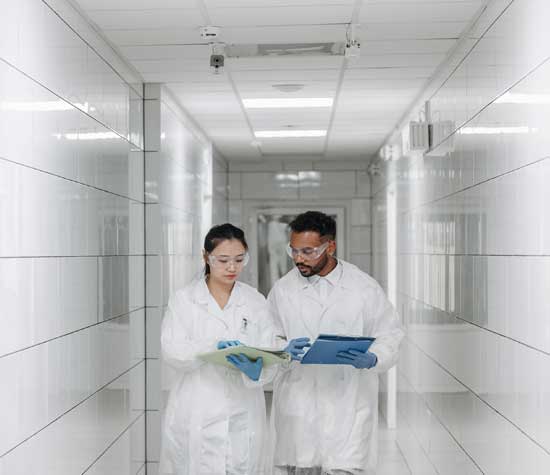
x,y
326,416
215,417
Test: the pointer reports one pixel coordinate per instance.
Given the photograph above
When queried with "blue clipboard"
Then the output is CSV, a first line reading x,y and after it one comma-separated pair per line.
x,y
325,348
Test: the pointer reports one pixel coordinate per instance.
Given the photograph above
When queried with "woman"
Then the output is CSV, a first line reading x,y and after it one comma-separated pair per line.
x,y
215,417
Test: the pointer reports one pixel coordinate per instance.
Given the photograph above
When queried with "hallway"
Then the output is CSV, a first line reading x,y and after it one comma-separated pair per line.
x,y
128,128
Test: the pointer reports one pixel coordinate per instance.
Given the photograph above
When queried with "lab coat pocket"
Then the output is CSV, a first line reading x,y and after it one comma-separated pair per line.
x,y
248,330
212,444
238,445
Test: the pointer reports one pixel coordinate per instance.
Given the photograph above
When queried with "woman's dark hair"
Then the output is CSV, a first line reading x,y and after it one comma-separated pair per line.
x,y
220,233
314,221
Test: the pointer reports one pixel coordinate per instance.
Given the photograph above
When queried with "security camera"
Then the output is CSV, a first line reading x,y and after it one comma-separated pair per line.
x,y
216,62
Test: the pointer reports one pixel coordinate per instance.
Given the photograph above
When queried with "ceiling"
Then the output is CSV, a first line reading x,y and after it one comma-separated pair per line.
x,y
402,44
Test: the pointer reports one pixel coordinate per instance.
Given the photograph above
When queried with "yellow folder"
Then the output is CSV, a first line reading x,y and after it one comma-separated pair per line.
x,y
269,356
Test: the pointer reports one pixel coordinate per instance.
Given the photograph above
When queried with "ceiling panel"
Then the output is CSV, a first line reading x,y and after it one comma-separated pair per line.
x,y
166,52
257,89
91,5
143,19
397,60
378,47
387,85
153,36
213,4
172,65
288,14
402,44
412,30
389,73
413,12
286,76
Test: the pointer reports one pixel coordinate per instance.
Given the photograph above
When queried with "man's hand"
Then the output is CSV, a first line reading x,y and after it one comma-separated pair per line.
x,y
357,359
296,348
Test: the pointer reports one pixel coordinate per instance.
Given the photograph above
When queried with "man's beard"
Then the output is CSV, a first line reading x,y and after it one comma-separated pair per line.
x,y
308,271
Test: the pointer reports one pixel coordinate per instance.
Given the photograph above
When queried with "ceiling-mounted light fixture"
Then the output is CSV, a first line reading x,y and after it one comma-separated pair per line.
x,y
287,103
289,133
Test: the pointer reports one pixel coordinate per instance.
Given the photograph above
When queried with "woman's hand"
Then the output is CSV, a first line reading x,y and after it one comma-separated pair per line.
x,y
227,343
252,369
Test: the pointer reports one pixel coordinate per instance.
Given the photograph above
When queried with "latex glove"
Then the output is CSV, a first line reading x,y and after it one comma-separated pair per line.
x,y
227,343
252,369
296,348
357,359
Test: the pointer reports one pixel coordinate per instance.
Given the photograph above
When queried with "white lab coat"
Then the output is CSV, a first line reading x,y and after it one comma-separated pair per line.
x,y
215,422
326,416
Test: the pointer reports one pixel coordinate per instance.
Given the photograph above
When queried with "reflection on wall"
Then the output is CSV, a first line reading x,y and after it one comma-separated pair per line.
x,y
273,237
72,317
473,265
180,190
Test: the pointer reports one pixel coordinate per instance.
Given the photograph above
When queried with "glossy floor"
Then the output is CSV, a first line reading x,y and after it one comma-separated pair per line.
x,y
398,454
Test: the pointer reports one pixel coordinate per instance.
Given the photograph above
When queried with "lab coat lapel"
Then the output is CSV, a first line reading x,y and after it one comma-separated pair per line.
x,y
204,298
341,294
311,310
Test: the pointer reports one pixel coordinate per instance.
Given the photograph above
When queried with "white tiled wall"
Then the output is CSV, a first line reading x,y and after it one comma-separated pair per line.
x,y
72,336
473,247
185,187
299,184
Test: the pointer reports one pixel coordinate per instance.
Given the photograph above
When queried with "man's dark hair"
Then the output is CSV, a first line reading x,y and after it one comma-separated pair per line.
x,y
314,221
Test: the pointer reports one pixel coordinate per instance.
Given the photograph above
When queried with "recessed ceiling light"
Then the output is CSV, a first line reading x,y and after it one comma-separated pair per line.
x,y
288,87
287,103
497,130
519,98
289,133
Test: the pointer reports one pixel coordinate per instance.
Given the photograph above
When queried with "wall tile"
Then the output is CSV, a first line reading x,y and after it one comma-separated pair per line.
x,y
360,212
46,298
283,185
360,239
326,184
84,432
126,455
49,379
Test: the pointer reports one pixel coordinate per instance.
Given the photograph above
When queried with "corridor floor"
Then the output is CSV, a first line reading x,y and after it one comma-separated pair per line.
x,y
391,460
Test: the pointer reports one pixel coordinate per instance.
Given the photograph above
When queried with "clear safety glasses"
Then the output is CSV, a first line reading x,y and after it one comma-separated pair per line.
x,y
306,252
224,261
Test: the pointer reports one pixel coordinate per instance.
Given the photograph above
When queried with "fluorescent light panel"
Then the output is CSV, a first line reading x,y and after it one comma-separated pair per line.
x,y
43,106
265,134
519,98
288,103
497,130
88,136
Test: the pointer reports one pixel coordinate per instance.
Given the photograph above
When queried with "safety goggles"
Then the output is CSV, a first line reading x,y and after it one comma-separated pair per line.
x,y
224,261
306,252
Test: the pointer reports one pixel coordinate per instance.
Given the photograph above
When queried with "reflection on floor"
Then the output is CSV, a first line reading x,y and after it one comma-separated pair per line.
x,y
390,455
392,444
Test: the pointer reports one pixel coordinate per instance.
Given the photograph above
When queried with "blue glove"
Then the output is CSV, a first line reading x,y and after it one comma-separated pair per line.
x,y
227,343
357,358
252,369
296,348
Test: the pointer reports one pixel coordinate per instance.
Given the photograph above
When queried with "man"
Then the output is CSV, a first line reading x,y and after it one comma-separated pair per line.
x,y
326,416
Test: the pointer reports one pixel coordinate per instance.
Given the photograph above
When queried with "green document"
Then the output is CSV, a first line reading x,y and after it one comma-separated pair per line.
x,y
270,357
